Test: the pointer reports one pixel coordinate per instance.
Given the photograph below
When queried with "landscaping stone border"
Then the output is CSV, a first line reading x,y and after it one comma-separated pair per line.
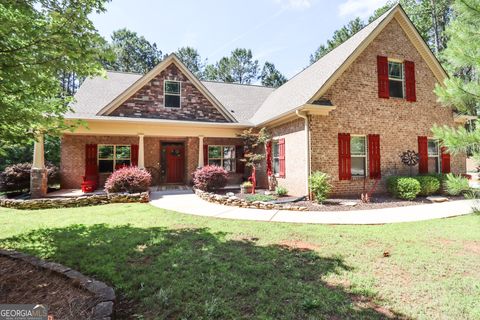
x,y
242,203
104,294
82,201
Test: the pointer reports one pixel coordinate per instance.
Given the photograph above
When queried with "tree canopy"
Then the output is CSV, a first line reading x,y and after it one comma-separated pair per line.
x,y
39,40
192,60
239,67
132,53
271,77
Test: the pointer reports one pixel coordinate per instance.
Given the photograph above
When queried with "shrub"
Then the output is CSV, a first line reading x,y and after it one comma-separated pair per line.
x,y
403,187
319,185
281,191
128,179
247,184
456,184
210,178
16,177
260,197
428,185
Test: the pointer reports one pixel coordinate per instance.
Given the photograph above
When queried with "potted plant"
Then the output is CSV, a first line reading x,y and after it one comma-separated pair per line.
x,y
246,187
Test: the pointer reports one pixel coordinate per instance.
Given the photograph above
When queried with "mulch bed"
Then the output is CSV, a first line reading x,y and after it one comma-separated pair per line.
x,y
22,283
334,204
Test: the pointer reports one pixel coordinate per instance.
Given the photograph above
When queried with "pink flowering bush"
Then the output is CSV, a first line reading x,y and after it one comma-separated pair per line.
x,y
210,178
128,179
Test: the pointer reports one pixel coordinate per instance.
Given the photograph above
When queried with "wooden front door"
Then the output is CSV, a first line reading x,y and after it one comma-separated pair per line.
x,y
175,163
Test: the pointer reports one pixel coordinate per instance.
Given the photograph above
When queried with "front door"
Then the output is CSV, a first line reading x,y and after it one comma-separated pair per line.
x,y
175,163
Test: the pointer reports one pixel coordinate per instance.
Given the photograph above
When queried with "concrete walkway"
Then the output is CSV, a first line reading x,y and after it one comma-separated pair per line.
x,y
189,203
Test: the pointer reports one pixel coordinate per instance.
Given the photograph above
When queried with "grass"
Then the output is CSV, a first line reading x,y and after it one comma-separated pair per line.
x,y
260,197
166,265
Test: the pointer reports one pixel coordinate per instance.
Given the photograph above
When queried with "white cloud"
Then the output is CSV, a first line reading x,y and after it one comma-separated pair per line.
x,y
359,8
295,4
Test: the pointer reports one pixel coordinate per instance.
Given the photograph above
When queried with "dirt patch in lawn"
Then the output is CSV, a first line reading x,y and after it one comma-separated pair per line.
x,y
472,246
22,283
299,245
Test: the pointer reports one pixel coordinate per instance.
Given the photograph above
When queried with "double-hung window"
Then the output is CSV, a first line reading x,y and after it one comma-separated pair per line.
x,y
172,93
222,156
358,153
433,156
112,157
396,79
275,157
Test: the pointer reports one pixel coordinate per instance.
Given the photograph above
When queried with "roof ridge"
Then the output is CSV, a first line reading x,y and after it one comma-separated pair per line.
x,y
124,72
239,84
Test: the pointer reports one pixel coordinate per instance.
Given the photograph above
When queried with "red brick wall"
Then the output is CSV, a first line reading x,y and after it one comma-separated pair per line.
x,y
360,111
148,101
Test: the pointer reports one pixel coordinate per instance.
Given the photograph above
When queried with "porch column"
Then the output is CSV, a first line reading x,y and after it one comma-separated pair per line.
x,y
38,173
141,153
200,152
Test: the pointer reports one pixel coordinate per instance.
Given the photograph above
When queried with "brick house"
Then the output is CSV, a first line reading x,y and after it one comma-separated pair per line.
x,y
350,115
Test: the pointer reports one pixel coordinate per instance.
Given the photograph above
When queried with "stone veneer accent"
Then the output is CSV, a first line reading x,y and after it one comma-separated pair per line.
x,y
104,294
148,102
38,182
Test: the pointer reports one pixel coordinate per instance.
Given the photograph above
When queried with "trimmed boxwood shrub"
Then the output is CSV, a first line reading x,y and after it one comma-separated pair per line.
x,y
429,185
210,178
128,179
16,177
403,187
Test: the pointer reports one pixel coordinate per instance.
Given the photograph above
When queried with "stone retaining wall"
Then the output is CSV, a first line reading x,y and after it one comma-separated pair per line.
x,y
87,200
104,294
242,203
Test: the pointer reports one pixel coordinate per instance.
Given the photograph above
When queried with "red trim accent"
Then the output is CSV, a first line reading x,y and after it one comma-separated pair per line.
x,y
410,94
240,165
344,157
269,157
134,155
281,157
205,155
445,160
382,72
423,154
374,156
90,179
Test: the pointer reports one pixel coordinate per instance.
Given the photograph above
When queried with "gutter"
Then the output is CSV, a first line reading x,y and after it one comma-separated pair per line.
x,y
304,115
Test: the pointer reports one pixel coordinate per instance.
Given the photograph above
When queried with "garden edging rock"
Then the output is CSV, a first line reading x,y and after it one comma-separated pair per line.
x,y
87,200
242,203
104,294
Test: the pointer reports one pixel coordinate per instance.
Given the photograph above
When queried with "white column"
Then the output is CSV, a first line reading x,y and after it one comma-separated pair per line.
x,y
38,153
141,152
200,152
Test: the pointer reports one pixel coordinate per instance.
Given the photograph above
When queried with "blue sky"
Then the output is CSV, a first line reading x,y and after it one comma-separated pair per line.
x,y
284,32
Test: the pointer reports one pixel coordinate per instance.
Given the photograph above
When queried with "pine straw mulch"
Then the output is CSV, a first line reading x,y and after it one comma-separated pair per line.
x,y
22,283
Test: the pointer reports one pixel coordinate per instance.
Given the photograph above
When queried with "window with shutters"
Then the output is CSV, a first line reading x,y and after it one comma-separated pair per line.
x,y
358,152
171,93
433,156
222,156
112,157
275,157
396,79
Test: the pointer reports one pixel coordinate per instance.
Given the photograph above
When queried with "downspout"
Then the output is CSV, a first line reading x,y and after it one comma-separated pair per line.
x,y
304,115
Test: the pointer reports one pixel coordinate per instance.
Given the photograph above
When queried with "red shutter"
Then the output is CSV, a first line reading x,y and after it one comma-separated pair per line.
x,y
410,94
205,155
240,165
382,72
91,166
134,155
445,160
374,156
281,157
344,157
269,157
423,154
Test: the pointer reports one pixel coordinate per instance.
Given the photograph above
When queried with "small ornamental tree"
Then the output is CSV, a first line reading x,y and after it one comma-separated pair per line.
x,y
410,159
253,154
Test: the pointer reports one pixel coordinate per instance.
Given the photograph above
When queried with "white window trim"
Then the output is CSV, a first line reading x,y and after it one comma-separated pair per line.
x,y
276,174
179,94
234,159
438,155
396,79
360,156
114,155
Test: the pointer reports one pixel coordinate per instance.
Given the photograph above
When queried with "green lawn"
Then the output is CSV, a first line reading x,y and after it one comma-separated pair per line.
x,y
166,265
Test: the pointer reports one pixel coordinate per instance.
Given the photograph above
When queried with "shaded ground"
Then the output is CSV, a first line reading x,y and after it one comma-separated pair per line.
x,y
167,265
22,283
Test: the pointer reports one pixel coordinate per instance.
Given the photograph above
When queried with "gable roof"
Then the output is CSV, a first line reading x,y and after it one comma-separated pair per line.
x,y
309,84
